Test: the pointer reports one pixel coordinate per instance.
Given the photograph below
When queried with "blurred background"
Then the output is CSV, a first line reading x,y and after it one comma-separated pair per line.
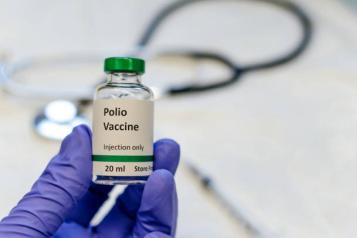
x,y
279,146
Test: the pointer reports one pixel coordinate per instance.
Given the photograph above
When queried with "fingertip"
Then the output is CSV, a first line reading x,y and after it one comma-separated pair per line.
x,y
175,147
160,184
167,155
79,138
82,129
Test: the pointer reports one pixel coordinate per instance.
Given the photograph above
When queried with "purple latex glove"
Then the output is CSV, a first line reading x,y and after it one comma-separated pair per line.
x,y
63,200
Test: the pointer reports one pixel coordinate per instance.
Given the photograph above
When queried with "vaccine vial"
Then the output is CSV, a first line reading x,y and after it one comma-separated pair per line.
x,y
122,124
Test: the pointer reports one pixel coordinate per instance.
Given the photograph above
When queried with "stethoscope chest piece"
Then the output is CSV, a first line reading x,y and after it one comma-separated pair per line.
x,y
57,120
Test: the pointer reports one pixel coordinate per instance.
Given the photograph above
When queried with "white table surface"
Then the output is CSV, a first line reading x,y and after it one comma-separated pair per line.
x,y
280,144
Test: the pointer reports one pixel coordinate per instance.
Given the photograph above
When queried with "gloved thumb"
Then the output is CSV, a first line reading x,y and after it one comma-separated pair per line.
x,y
158,209
64,181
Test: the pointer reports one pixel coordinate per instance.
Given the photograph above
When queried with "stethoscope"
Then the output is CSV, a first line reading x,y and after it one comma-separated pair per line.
x,y
59,116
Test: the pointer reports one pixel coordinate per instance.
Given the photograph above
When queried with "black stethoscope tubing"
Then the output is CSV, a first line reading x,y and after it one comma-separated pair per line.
x,y
236,70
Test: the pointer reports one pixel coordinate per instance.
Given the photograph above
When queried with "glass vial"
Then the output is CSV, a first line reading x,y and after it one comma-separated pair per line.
x,y
122,124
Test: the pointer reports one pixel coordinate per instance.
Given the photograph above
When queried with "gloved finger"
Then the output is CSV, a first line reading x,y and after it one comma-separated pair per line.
x,y
166,156
160,188
88,206
158,209
63,183
166,153
157,235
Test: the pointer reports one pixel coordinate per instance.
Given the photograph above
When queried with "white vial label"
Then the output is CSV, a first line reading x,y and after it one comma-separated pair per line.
x,y
122,138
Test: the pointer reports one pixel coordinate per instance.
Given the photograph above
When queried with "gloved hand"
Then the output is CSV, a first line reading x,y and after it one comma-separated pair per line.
x,y
63,200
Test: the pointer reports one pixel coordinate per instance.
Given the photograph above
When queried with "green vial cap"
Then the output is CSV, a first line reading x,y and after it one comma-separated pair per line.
x,y
124,64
